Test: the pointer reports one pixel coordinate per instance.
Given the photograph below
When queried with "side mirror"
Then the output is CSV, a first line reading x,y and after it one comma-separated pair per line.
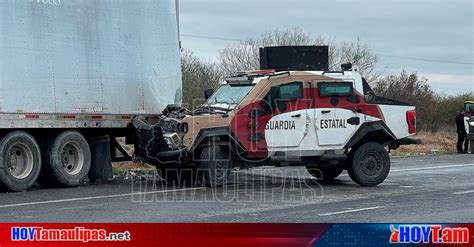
x,y
208,93
369,97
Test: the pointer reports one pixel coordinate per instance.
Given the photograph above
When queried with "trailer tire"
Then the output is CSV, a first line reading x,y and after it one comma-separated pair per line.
x,y
67,160
325,173
369,164
214,166
20,161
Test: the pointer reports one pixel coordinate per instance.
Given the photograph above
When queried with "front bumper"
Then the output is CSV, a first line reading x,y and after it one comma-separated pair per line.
x,y
150,144
174,156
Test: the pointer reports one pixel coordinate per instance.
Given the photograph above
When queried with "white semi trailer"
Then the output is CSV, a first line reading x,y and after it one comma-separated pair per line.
x,y
73,74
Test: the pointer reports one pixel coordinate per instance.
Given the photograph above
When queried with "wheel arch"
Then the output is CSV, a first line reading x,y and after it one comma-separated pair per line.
x,y
376,131
216,136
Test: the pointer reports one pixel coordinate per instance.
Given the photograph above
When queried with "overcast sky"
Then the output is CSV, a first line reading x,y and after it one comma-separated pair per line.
x,y
438,34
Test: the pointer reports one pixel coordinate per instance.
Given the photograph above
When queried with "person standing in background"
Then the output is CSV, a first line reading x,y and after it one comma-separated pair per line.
x,y
462,135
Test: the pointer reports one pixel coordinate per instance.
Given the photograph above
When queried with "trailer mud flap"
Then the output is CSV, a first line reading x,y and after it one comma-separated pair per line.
x,y
101,162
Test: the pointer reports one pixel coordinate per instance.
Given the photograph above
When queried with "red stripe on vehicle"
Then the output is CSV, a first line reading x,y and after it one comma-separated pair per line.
x,y
32,116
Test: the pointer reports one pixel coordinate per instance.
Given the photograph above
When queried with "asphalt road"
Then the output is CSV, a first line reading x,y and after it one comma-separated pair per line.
x,y
431,189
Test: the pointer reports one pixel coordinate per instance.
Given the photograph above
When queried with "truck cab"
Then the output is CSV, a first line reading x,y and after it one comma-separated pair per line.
x,y
325,120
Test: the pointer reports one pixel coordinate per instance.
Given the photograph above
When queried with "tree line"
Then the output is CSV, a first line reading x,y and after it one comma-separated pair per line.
x,y
434,110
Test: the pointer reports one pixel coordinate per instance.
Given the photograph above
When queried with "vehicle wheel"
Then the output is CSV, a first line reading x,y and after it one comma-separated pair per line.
x,y
67,160
20,161
369,164
178,176
325,173
471,146
214,166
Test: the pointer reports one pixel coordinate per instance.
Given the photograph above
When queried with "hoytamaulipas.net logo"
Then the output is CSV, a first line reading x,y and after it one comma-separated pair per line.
x,y
77,234
429,234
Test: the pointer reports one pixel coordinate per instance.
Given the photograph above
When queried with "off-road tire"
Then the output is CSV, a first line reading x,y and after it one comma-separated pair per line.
x,y
214,166
369,164
15,147
67,160
325,173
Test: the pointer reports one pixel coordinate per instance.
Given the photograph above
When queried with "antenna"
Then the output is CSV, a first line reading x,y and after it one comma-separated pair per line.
x,y
177,22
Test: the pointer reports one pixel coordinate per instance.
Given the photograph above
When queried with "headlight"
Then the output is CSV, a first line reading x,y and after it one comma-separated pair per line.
x,y
471,123
173,140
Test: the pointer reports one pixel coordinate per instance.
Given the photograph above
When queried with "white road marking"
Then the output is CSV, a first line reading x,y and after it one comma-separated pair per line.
x,y
350,211
431,167
463,192
426,168
95,197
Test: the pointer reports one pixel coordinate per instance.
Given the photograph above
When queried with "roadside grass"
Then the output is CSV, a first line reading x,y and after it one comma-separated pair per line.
x,y
119,168
440,142
117,171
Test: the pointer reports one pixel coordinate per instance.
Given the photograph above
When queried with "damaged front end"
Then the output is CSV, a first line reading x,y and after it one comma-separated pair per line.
x,y
160,140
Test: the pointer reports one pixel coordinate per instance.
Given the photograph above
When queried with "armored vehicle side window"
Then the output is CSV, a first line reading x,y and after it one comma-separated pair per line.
x,y
291,91
343,89
469,107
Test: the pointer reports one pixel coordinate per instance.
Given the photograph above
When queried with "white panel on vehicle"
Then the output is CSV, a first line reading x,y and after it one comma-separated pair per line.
x,y
287,129
395,118
332,126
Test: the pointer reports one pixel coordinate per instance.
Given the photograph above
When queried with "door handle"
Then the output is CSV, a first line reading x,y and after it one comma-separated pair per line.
x,y
296,116
325,112
353,121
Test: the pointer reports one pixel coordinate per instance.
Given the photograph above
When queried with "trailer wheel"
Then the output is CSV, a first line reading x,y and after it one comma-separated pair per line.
x,y
369,164
20,161
325,173
214,166
67,159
